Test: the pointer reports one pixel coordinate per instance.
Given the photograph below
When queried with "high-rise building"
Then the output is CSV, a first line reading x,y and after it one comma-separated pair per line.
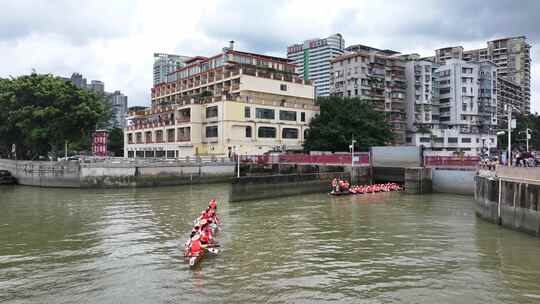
x,y
78,80
452,106
116,100
511,56
97,87
119,103
164,64
233,102
376,76
312,59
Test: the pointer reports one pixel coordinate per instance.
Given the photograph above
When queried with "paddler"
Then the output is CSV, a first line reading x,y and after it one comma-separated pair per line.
x,y
196,246
206,232
213,204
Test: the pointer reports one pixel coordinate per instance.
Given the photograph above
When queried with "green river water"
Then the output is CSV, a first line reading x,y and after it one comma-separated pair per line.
x,y
125,246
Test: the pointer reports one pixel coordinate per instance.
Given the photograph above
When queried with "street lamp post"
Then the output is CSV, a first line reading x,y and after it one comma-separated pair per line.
x,y
509,109
237,162
528,136
353,141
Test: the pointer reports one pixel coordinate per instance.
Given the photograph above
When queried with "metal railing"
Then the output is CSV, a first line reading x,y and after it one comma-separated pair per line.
x,y
360,159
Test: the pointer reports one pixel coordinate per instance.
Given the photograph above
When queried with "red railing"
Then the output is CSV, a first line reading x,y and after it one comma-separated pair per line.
x,y
361,159
451,161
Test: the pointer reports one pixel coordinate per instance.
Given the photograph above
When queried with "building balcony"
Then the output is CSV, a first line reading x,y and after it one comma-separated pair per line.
x,y
183,119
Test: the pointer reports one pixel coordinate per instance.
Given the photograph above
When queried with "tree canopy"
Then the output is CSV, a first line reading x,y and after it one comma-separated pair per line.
x,y
340,120
531,121
39,113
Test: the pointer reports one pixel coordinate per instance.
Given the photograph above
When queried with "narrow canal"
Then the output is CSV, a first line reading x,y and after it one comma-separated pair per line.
x,y
124,246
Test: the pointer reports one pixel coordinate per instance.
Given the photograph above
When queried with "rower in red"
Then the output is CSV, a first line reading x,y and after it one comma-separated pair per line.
x,y
195,246
213,204
206,232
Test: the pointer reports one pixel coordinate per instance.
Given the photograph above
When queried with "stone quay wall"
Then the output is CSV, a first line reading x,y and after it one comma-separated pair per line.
x,y
117,174
510,198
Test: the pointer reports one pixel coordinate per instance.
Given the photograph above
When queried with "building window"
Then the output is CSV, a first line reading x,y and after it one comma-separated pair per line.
x,y
408,140
444,91
264,113
289,133
303,116
130,137
211,112
247,112
452,140
465,140
283,87
211,131
439,140
287,115
425,139
267,132
170,135
248,131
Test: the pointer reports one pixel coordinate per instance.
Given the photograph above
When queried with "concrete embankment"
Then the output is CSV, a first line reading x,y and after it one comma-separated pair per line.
x,y
260,187
115,175
510,198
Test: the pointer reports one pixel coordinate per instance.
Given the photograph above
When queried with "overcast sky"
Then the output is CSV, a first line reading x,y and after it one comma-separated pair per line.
x,y
114,41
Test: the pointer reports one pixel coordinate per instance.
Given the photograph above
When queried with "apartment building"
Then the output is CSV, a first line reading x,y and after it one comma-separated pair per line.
x,y
233,102
164,64
452,106
312,58
119,106
375,75
512,57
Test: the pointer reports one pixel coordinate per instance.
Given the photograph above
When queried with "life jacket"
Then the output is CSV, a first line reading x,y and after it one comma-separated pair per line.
x,y
195,247
206,235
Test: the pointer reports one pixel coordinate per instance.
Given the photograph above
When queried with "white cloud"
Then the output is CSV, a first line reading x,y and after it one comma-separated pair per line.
x,y
114,40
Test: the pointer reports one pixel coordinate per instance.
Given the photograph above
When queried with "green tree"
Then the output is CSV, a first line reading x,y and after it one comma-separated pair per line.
x,y
531,121
116,142
342,118
39,113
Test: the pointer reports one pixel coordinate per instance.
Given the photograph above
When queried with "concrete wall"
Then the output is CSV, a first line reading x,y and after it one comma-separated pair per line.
x,y
453,181
402,156
515,206
418,180
111,175
261,187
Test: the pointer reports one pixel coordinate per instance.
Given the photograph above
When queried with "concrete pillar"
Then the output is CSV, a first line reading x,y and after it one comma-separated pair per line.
x,y
418,180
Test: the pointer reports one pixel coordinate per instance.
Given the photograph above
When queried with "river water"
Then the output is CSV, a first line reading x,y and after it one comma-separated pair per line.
x,y
124,246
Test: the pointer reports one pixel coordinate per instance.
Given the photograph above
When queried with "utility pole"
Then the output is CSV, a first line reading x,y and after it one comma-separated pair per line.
x,y
65,149
509,109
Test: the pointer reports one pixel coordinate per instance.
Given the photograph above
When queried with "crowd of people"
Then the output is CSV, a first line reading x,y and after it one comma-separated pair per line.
x,y
202,235
386,187
343,186
519,159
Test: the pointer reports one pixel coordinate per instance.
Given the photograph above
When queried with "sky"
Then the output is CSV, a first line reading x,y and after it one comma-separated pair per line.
x,y
114,41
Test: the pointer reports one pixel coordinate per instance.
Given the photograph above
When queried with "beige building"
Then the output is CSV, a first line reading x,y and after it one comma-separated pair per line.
x,y
233,102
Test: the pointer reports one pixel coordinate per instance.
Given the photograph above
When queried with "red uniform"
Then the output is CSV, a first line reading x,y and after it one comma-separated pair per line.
x,y
195,248
206,235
